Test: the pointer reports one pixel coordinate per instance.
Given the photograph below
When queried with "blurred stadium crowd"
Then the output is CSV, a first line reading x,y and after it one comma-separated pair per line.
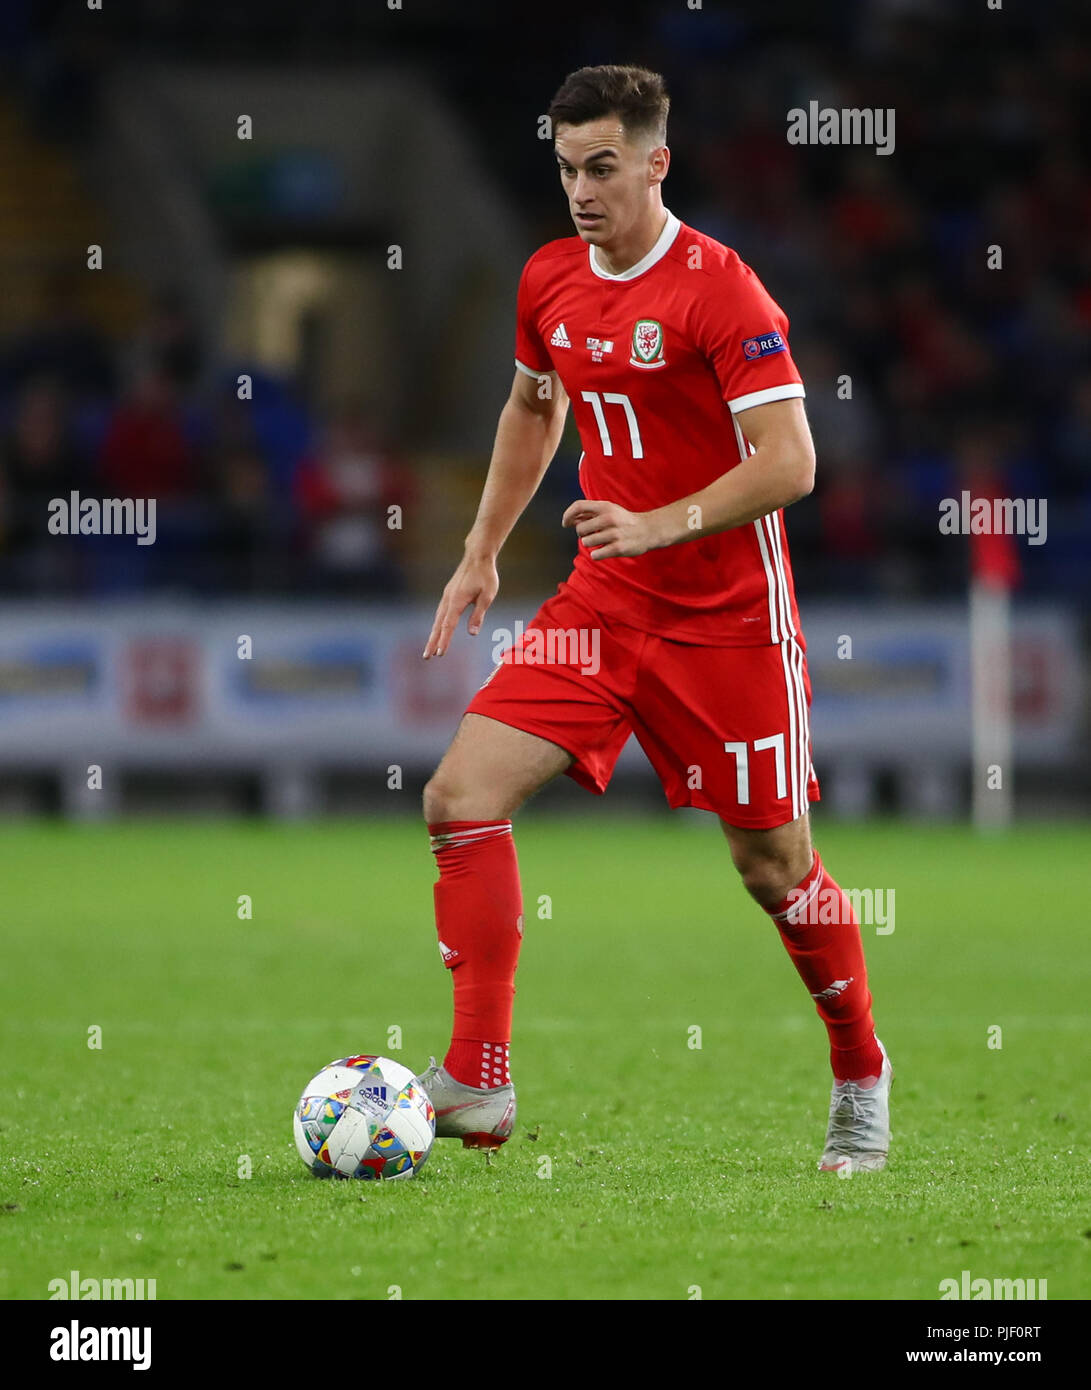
x,y
256,495
960,374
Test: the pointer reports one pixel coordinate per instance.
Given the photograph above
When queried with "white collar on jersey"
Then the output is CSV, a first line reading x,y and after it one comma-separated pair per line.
x,y
658,251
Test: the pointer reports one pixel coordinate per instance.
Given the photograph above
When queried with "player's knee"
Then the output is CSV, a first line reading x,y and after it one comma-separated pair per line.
x,y
439,796
762,881
450,797
768,878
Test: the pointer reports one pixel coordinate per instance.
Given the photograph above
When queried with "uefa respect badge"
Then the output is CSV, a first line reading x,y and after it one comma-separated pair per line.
x,y
763,346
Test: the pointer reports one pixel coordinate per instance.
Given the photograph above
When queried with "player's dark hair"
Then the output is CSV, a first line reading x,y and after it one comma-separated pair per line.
x,y
636,96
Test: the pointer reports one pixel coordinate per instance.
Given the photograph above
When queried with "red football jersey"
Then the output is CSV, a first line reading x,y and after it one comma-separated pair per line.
x,y
658,362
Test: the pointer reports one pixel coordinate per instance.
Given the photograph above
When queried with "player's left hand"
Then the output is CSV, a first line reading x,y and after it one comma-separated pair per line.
x,y
608,530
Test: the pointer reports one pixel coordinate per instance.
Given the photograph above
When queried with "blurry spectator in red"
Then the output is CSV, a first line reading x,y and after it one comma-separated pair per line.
x,y
754,168
852,506
870,215
942,357
145,452
344,491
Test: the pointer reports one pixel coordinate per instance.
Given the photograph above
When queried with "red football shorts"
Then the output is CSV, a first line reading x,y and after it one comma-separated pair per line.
x,y
726,728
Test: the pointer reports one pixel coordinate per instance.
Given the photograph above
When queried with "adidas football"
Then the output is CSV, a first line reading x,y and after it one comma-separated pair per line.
x,y
364,1117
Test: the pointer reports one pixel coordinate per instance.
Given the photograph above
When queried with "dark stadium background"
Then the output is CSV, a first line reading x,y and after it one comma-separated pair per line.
x,y
419,127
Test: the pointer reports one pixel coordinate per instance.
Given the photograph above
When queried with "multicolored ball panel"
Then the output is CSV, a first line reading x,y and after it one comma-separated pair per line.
x,y
364,1116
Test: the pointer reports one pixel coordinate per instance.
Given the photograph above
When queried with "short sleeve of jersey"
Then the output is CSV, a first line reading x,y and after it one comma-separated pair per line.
x,y
530,352
743,332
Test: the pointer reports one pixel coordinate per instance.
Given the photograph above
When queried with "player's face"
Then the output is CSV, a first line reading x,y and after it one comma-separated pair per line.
x,y
606,177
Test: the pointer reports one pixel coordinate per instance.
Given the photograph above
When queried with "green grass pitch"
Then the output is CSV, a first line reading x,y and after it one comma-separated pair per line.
x,y
641,1167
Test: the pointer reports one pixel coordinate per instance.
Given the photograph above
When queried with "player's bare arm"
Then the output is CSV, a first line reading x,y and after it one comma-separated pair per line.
x,y
779,472
527,436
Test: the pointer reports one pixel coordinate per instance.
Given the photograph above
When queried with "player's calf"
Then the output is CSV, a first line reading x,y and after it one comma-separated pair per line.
x,y
818,926
489,770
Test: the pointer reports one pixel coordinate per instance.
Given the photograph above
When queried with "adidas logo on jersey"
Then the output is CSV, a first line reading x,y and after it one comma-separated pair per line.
x,y
560,337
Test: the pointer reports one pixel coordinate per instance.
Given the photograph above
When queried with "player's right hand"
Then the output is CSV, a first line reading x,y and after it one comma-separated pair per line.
x,y
475,581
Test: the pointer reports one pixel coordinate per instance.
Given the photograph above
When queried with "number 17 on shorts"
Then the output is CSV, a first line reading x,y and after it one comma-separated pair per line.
x,y
737,740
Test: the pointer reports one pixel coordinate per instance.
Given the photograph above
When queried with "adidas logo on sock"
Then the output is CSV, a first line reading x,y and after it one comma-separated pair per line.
x,y
446,952
838,987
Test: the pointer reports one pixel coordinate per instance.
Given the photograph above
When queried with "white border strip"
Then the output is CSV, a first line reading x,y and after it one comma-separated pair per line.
x,y
770,393
671,228
530,370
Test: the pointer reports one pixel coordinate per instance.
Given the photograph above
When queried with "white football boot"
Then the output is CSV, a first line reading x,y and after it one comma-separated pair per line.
x,y
482,1119
858,1137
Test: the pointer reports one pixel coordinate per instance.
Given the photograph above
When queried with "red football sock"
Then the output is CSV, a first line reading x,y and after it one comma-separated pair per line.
x,y
821,934
479,918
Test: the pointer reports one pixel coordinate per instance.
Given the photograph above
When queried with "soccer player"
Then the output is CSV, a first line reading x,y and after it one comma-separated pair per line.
x,y
678,621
